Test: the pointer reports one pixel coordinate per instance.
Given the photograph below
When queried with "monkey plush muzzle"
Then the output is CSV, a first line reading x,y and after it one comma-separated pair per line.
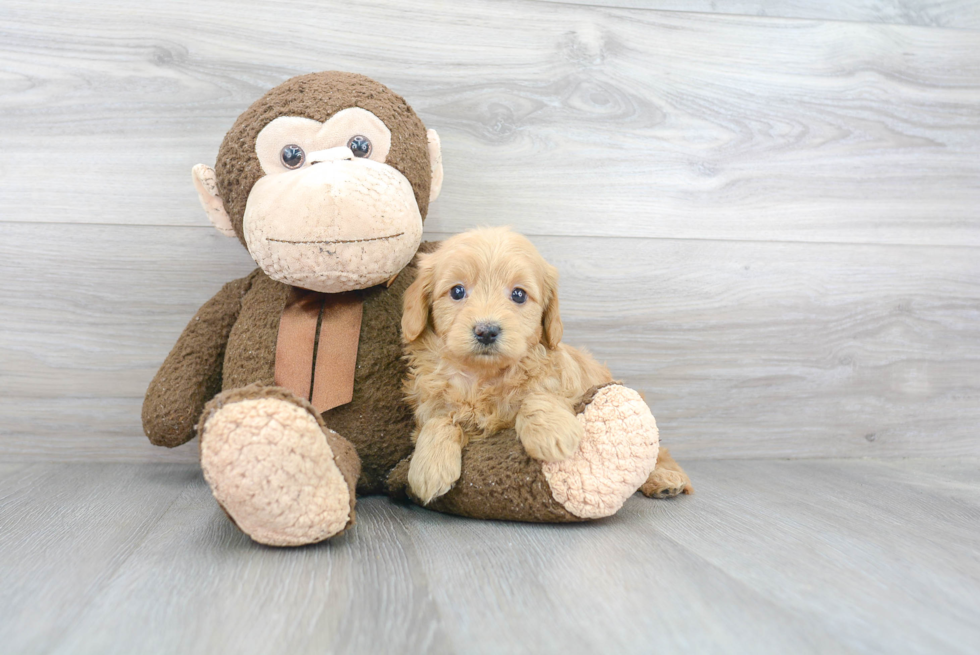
x,y
334,225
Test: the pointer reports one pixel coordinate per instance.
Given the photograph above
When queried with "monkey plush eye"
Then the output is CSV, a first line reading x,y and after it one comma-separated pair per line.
x,y
292,156
519,296
359,145
458,292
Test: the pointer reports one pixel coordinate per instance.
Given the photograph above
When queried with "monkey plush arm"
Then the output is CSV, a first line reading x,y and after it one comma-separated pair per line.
x,y
191,374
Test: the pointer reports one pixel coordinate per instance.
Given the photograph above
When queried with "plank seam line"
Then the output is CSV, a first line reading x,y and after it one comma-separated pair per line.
x,y
794,19
436,233
972,459
33,459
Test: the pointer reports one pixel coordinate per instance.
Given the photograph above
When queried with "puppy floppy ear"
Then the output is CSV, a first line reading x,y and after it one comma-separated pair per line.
x,y
418,296
551,318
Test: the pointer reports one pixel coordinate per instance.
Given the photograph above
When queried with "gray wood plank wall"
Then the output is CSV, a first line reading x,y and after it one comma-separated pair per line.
x,y
962,14
766,215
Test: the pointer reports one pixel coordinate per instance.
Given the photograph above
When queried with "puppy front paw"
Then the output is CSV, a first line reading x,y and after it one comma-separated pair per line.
x,y
433,472
551,438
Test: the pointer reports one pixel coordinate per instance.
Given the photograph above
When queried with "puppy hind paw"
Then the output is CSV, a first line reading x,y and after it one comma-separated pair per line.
x,y
664,484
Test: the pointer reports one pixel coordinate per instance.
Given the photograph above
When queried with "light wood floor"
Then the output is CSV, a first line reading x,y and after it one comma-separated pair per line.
x,y
814,556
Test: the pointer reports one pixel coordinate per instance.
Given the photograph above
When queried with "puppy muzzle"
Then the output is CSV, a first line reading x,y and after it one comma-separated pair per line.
x,y
486,335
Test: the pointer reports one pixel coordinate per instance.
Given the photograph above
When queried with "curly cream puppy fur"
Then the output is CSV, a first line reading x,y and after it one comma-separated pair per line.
x,y
483,334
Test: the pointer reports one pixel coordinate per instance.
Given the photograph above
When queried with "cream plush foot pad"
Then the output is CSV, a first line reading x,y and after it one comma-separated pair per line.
x,y
270,467
617,455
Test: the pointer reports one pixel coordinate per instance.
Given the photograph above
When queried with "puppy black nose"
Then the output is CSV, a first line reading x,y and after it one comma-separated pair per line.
x,y
486,333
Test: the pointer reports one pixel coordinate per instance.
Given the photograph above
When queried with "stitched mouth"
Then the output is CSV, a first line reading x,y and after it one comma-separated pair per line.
x,y
390,236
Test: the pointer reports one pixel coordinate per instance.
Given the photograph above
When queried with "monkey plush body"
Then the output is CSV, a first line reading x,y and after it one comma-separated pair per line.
x,y
292,376
239,326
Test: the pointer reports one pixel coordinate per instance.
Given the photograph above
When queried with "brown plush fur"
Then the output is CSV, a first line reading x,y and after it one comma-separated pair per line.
x,y
498,480
191,373
228,348
463,390
318,96
378,421
231,342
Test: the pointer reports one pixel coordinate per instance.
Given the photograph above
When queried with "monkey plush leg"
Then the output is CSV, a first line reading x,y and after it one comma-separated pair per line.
x,y
667,480
499,480
279,474
617,455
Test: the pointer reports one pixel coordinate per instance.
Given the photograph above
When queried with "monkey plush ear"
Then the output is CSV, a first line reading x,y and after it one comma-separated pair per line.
x,y
207,191
416,307
435,162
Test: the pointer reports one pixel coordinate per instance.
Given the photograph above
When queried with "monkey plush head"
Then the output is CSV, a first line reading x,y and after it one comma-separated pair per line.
x,y
326,180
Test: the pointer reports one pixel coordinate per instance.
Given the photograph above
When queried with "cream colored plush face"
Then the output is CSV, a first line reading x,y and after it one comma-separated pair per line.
x,y
327,220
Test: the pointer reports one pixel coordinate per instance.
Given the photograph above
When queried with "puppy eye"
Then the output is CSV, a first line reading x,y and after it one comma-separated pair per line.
x,y
458,292
292,156
359,145
519,296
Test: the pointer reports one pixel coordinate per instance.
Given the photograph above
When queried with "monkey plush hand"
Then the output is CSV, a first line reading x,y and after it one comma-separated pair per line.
x,y
292,376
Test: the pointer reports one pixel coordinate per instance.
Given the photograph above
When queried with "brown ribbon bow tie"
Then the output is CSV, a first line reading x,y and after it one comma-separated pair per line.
x,y
316,350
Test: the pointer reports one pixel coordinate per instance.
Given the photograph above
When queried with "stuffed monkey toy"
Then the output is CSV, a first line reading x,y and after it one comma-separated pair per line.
x,y
291,377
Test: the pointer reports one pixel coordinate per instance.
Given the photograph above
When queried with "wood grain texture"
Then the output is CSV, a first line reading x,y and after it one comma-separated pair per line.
x,y
561,119
854,541
961,471
742,349
64,532
616,586
767,557
952,14
198,585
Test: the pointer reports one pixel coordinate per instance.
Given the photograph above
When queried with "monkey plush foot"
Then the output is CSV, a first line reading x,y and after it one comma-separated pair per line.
x,y
281,477
616,455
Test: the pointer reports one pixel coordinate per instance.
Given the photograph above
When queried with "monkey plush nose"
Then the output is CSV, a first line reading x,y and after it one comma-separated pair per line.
x,y
486,333
330,154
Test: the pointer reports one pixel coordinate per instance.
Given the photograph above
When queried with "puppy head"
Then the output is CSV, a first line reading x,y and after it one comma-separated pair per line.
x,y
488,296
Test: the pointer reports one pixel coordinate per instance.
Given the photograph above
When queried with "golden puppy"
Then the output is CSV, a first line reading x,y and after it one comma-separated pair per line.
x,y
483,331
